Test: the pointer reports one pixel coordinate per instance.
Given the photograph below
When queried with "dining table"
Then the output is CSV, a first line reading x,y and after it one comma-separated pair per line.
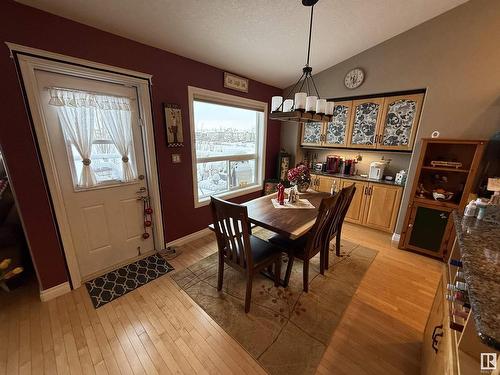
x,y
290,222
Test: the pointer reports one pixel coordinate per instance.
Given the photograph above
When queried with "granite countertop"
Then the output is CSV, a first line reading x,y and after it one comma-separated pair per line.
x,y
358,178
479,243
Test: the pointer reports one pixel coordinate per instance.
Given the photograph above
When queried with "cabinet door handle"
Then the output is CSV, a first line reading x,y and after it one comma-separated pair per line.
x,y
435,336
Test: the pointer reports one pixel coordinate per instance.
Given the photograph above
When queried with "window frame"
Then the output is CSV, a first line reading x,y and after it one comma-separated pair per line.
x,y
195,93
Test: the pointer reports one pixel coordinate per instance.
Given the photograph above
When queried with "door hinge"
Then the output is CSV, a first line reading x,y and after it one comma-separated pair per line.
x,y
141,122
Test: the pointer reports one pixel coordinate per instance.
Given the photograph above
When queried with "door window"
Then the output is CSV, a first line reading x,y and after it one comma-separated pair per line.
x,y
97,131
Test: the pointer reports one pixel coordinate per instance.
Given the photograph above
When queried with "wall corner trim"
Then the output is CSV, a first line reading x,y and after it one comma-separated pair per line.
x,y
189,238
54,292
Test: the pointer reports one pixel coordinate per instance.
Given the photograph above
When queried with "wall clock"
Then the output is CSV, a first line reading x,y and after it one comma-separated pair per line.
x,y
354,78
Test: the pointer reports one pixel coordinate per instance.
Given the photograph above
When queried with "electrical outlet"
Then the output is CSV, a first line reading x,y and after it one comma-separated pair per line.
x,y
176,158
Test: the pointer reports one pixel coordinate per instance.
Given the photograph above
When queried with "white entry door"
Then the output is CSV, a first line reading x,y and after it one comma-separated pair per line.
x,y
96,142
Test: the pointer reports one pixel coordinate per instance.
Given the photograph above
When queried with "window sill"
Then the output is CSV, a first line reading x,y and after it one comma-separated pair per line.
x,y
229,194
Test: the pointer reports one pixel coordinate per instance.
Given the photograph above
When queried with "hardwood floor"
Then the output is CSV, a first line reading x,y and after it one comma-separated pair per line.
x,y
158,329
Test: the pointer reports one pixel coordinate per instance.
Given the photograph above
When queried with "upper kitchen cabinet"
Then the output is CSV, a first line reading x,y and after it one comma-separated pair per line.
x,y
365,122
382,123
399,122
336,131
312,134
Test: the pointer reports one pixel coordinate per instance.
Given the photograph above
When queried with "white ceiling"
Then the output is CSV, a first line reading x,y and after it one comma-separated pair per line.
x,y
261,39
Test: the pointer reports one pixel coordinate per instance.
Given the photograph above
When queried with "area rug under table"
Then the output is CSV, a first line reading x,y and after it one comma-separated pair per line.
x,y
286,330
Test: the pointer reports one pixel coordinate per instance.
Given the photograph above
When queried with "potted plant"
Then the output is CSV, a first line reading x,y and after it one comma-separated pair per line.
x,y
300,176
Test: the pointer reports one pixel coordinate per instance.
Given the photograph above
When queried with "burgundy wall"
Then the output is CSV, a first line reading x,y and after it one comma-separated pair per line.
x,y
171,76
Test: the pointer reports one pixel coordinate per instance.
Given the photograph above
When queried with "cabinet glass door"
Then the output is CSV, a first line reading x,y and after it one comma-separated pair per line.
x,y
311,133
365,122
336,130
400,121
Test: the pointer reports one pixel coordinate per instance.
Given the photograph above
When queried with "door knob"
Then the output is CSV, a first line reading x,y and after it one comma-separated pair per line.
x,y
141,177
141,190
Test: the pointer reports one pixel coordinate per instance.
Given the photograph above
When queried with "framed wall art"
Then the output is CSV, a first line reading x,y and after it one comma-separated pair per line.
x,y
173,125
235,82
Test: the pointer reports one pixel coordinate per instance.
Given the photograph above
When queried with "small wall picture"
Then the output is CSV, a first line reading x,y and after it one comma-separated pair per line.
x,y
173,125
235,82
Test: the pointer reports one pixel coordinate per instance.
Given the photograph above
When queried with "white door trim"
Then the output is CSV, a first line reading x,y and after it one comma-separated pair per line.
x,y
66,65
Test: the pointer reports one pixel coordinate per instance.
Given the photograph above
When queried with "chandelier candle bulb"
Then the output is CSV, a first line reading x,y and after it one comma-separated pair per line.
x,y
329,108
311,103
321,106
287,105
300,101
276,103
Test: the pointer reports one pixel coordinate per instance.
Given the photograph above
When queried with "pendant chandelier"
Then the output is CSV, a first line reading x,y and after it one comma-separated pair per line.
x,y
306,106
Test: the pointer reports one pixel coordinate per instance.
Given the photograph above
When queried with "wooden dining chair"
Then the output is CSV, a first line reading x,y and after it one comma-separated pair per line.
x,y
307,246
238,248
335,226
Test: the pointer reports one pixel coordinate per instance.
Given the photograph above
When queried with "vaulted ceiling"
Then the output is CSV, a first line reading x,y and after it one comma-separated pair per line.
x,y
260,39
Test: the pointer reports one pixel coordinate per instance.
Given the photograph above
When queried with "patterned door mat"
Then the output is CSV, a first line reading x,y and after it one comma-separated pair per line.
x,y
114,284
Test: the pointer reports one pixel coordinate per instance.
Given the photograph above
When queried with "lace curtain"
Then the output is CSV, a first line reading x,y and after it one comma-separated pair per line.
x,y
115,115
80,113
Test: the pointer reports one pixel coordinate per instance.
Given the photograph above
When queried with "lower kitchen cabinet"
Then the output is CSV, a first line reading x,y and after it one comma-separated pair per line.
x,y
325,183
382,206
437,347
355,212
373,205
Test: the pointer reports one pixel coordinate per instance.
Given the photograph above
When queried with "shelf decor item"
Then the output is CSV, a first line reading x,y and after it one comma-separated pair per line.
x,y
446,164
173,125
283,165
494,186
301,177
308,106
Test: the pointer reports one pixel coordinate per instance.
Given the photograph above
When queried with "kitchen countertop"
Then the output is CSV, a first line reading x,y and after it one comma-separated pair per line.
x,y
479,243
358,178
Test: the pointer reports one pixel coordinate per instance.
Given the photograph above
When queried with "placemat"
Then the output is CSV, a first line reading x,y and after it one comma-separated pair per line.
x,y
301,203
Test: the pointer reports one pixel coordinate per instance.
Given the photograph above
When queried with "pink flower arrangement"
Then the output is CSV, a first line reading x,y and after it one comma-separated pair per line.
x,y
300,174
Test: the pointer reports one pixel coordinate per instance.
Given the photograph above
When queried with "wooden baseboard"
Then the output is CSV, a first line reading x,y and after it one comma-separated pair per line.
x,y
54,292
189,237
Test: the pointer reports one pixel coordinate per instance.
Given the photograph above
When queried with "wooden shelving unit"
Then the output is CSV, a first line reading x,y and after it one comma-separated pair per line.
x,y
428,227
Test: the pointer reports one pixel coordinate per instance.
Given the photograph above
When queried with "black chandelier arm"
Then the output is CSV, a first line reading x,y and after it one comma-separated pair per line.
x,y
288,96
315,88
302,85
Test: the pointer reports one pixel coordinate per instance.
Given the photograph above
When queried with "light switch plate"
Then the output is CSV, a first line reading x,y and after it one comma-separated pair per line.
x,y
176,158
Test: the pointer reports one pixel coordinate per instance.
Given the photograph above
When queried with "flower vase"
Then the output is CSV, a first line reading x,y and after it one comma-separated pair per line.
x,y
302,186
